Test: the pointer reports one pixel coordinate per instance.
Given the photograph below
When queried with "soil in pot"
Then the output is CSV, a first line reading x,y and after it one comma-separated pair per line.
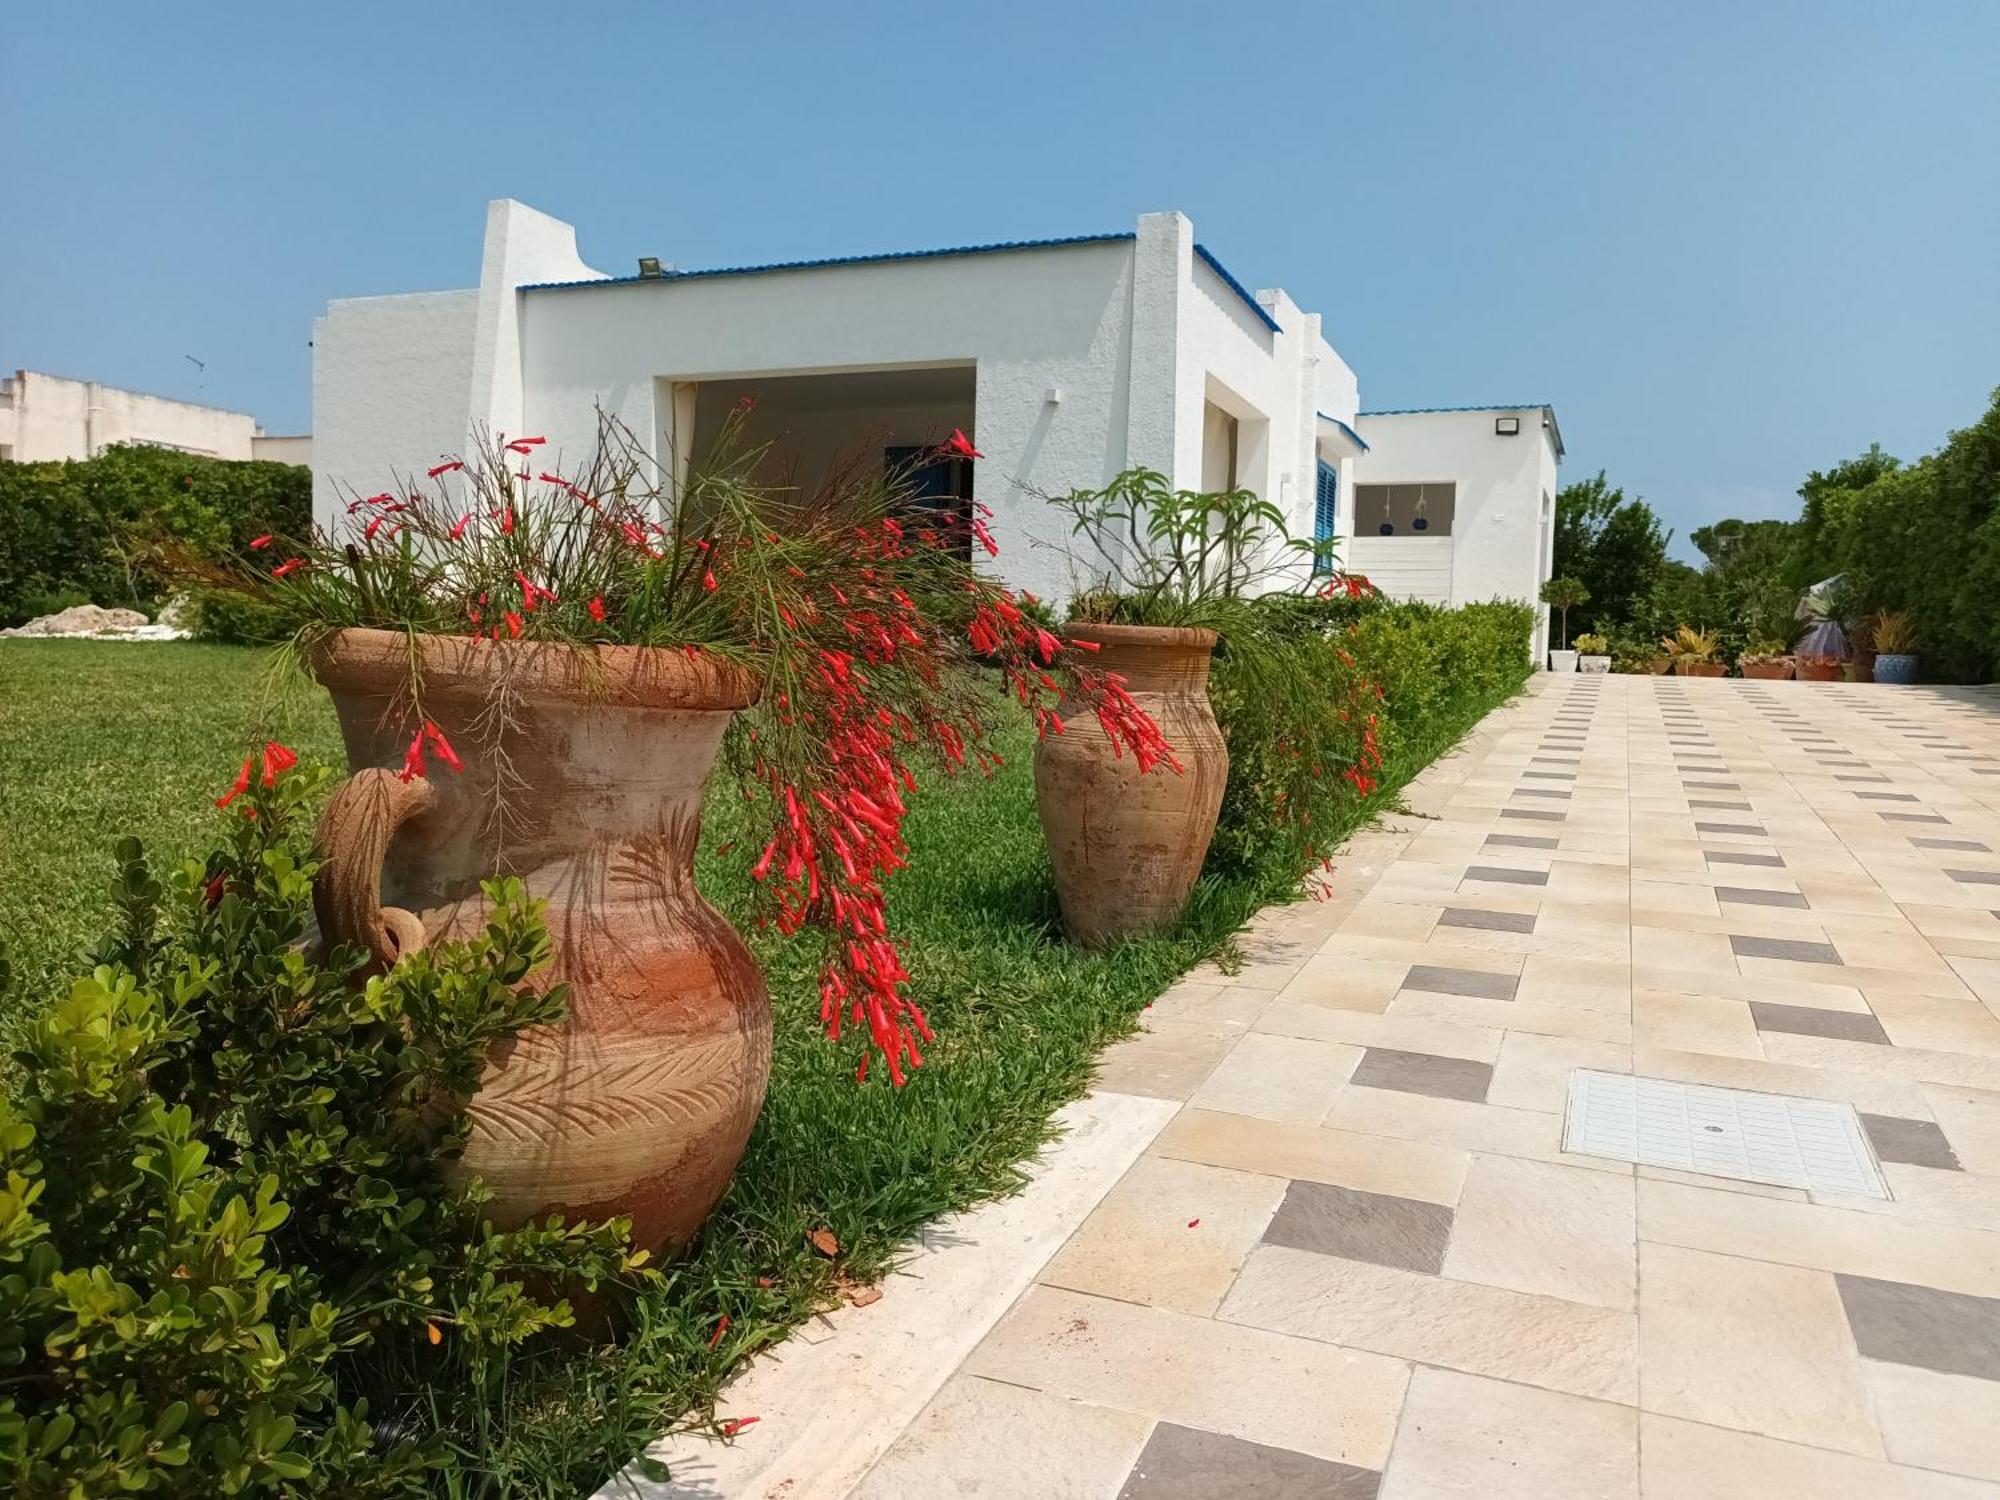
x,y
1126,848
583,775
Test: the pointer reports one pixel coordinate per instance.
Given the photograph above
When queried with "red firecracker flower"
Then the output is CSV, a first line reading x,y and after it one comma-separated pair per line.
x,y
958,445
277,761
259,543
288,567
241,785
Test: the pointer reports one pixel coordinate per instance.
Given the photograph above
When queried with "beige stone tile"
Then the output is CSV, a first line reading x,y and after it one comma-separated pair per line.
x,y
1723,1184
1981,975
1970,1119
1170,1234
1398,1168
1168,1060
1672,897
1216,1006
1825,994
1881,1096
1913,1064
1347,983
1689,1461
1533,1070
1534,1226
1746,1344
1278,1078
1403,1032
1694,1023
1267,1387
1455,1122
1544,1017
1588,984
1467,1438
1380,916
1462,1325
1001,1442
1819,1237
1936,1421
1681,949
1938,1025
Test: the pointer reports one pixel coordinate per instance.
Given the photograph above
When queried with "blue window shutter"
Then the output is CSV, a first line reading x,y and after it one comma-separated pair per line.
x,y
1326,512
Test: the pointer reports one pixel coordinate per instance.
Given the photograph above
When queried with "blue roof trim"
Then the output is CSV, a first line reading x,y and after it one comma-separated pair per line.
x,y
1264,317
843,260
1353,436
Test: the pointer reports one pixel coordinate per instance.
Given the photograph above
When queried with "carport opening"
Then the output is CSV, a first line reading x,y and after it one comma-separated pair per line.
x,y
817,428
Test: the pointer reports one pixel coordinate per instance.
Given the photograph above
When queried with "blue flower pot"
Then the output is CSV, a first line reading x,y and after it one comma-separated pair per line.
x,y
1898,667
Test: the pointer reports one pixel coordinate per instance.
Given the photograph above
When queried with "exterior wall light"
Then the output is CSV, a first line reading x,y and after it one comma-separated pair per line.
x,y
1507,426
649,265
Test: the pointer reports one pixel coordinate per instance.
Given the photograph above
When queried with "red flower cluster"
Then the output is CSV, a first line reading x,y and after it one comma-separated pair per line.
x,y
277,760
413,758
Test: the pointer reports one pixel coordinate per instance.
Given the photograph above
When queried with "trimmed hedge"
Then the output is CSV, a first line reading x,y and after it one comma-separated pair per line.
x,y
96,530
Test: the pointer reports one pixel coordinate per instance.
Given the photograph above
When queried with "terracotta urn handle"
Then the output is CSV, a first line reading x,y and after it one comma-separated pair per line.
x,y
353,836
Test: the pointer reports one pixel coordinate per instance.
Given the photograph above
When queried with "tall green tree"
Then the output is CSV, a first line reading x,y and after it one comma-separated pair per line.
x,y
1613,545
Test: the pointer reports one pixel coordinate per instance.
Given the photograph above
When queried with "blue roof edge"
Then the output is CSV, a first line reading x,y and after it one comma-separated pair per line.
x,y
1203,254
1424,411
1353,436
999,247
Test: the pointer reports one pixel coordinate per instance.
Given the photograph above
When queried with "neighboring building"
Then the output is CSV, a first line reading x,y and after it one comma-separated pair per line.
x,y
1457,504
45,417
1066,361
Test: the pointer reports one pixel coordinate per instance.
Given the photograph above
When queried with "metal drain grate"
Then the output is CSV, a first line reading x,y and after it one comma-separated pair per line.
x,y
1803,1143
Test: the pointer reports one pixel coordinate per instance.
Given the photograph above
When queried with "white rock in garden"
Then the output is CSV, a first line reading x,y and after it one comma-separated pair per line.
x,y
93,622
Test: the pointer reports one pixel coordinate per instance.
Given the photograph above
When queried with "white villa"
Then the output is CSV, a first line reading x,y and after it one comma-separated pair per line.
x,y
1066,361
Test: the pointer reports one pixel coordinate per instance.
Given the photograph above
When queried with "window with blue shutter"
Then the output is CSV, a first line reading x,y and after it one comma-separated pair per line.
x,y
1326,516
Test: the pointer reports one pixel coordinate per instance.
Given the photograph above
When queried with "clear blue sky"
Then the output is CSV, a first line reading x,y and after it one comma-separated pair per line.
x,y
1730,242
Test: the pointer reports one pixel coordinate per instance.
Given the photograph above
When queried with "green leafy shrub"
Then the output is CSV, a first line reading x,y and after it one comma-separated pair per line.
x,y
100,529
1589,644
228,1231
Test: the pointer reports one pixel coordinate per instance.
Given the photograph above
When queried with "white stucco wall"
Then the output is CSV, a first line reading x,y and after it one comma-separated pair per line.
x,y
283,448
46,417
1499,545
392,378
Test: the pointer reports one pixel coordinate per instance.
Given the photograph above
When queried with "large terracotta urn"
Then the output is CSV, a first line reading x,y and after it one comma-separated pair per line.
x,y
1127,847
583,775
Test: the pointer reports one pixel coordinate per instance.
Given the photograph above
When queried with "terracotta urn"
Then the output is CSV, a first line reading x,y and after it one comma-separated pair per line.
x,y
1659,666
1127,848
583,775
1701,669
1819,668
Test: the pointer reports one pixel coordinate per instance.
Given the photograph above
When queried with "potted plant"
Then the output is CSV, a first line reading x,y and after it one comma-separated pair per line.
x,y
1564,594
1823,648
1593,653
1765,660
1895,639
1166,576
534,673
1694,653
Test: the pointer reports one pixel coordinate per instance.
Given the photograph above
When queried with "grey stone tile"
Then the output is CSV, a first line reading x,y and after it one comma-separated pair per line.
x,y
1860,778
1797,950
1489,921
1552,775
1710,786
1422,1073
1745,896
1386,1231
1972,845
1479,983
1975,877
1756,828
1531,814
1913,817
1725,806
1555,760
1888,796
1916,1143
1810,1020
1541,791
1506,876
1185,1463
1522,841
1953,1333
1744,857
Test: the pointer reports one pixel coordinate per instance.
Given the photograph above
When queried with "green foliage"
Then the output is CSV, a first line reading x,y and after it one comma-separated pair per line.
x,y
226,1219
1592,645
1564,594
102,529
1612,545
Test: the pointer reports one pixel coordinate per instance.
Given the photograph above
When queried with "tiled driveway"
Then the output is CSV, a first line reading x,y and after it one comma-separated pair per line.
x,y
1359,1263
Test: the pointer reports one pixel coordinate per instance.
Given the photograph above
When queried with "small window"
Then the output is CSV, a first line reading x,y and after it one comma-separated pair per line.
x,y
1404,509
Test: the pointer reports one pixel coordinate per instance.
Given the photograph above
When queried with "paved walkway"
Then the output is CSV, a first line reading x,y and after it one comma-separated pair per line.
x,y
1358,1261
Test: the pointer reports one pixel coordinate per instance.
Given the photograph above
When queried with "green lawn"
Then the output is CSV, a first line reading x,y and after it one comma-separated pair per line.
x,y
98,740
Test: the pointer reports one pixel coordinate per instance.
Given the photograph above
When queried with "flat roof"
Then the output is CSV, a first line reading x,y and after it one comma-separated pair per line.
x,y
1543,407
881,258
